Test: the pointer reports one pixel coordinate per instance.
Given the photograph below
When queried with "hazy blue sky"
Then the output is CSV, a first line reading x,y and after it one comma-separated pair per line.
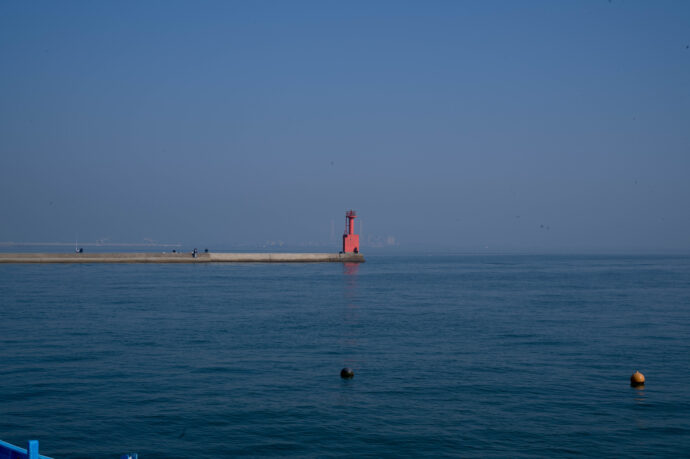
x,y
518,125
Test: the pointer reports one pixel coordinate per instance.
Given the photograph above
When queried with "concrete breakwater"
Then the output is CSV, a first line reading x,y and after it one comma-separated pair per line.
x,y
187,257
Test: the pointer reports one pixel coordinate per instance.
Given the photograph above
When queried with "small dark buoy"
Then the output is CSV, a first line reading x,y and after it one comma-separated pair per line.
x,y
347,373
637,379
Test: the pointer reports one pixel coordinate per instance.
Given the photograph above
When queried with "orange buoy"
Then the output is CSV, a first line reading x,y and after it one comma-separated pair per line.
x,y
637,379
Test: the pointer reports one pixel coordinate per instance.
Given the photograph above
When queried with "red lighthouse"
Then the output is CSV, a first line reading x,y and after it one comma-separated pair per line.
x,y
350,239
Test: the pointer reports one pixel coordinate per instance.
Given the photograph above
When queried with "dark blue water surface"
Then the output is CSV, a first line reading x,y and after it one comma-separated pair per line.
x,y
455,355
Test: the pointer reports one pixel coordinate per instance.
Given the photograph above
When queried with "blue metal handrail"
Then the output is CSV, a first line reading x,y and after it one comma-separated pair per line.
x,y
8,451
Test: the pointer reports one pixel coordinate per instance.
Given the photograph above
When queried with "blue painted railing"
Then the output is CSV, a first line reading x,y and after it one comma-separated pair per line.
x,y
8,451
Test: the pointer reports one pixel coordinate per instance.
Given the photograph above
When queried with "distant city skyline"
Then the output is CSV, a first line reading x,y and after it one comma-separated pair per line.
x,y
469,125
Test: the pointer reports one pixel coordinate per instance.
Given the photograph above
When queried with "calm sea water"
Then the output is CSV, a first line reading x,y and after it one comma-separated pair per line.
x,y
462,356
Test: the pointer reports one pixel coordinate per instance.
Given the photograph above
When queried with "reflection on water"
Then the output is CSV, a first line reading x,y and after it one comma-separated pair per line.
x,y
351,324
351,269
640,398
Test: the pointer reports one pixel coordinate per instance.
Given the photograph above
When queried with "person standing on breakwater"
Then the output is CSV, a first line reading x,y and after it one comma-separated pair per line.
x,y
195,252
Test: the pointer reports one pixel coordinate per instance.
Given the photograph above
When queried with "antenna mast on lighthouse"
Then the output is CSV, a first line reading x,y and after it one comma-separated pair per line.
x,y
350,239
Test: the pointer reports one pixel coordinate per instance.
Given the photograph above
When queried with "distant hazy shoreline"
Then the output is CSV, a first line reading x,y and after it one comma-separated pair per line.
x,y
88,244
